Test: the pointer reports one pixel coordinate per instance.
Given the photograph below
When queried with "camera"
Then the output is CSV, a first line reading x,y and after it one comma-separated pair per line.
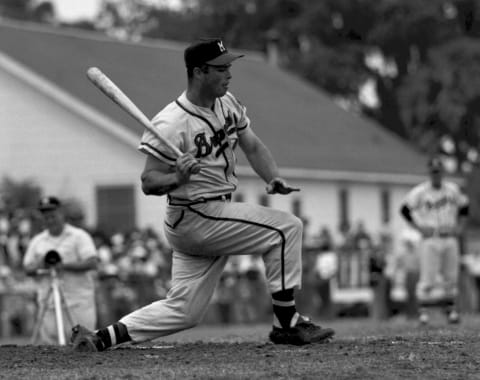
x,y
52,258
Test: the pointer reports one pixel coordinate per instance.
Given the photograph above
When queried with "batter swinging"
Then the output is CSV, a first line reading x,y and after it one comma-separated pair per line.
x,y
202,224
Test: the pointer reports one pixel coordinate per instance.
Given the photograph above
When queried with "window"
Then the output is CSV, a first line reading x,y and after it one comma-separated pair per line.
x,y
385,203
115,208
264,200
343,203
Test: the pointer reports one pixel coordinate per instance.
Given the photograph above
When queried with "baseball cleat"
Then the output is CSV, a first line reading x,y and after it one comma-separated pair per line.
x,y
453,317
423,318
304,332
84,340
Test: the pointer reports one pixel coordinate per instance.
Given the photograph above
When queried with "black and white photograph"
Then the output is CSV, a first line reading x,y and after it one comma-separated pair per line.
x,y
239,189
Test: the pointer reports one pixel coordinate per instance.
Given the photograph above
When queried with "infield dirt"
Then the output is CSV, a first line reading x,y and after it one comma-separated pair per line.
x,y
362,349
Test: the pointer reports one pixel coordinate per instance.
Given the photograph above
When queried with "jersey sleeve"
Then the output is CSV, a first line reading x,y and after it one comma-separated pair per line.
x,y
85,246
460,197
413,197
151,144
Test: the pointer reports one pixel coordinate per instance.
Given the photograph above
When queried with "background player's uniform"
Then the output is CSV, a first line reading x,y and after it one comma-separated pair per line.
x,y
439,254
203,226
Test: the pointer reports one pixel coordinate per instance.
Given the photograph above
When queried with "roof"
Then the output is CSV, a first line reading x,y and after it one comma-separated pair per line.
x,y
300,124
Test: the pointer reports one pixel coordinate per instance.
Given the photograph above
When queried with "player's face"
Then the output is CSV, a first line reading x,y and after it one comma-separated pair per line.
x,y
217,79
436,178
54,221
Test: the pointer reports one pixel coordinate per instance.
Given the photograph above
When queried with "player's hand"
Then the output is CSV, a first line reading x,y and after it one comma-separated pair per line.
x,y
279,186
187,165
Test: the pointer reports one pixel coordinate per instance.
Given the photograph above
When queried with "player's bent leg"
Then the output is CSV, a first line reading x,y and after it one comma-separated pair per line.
x,y
193,282
239,228
283,263
219,229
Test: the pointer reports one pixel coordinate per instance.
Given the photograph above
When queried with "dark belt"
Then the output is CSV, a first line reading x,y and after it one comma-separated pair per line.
x,y
185,202
442,235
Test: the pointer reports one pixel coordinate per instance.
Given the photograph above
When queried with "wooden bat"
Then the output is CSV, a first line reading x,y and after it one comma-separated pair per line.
x,y
101,81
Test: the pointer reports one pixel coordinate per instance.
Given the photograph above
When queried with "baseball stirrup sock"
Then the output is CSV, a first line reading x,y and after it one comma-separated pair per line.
x,y
113,335
284,308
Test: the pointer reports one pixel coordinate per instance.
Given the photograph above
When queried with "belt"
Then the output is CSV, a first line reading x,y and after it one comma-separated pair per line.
x,y
444,235
441,235
185,202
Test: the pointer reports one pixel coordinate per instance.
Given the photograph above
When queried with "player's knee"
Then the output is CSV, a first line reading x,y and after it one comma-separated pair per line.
x,y
192,320
295,225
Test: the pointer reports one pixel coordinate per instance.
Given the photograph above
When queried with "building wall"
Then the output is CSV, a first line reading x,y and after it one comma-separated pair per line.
x,y
62,152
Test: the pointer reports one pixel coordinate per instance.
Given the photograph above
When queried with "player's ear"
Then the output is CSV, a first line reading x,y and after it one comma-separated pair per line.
x,y
203,69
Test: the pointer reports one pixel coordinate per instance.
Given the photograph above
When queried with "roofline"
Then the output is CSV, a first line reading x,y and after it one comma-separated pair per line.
x,y
64,98
346,176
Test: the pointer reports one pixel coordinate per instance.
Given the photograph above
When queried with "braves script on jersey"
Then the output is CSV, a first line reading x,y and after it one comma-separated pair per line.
x,y
211,135
436,208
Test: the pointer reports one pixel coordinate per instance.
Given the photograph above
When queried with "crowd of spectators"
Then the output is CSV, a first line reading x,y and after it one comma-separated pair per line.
x,y
134,270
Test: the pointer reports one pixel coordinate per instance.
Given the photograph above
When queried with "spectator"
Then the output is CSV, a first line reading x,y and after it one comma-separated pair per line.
x,y
381,307
403,270
78,258
325,268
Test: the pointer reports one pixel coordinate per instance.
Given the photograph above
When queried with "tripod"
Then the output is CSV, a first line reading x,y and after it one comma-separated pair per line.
x,y
60,306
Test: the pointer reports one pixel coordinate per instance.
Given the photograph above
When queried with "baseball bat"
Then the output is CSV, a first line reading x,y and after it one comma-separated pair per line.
x,y
106,85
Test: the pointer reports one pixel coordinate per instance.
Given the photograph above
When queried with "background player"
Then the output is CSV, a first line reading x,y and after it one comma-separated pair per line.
x,y
202,225
438,210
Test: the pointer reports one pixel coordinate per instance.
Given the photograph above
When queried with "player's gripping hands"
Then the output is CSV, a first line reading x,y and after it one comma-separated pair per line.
x,y
279,186
187,165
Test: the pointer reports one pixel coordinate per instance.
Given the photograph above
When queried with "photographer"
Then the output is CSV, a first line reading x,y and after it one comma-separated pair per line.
x,y
72,253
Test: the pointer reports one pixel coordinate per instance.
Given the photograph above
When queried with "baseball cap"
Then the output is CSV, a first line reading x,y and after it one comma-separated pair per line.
x,y
209,51
435,164
49,203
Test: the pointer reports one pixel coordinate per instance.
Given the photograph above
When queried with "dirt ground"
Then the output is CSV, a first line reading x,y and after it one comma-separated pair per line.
x,y
362,349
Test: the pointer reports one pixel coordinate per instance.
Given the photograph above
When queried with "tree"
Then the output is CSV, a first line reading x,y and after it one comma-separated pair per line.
x,y
19,195
17,9
31,10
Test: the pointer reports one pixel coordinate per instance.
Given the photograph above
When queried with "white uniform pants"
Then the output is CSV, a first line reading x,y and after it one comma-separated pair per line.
x,y
202,237
439,266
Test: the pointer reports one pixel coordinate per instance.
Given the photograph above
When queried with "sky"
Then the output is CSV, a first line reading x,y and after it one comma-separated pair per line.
x,y
73,10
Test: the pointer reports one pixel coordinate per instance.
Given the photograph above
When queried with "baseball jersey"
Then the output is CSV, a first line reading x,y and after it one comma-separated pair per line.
x,y
73,245
436,208
211,135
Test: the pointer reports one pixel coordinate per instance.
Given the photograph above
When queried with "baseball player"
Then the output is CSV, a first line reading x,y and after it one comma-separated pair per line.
x,y
438,210
203,226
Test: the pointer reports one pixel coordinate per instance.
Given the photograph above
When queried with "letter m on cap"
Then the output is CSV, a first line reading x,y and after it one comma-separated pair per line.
x,y
220,46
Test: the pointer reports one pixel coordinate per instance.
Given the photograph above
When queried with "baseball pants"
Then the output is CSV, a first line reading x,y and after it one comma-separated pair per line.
x,y
202,237
439,265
